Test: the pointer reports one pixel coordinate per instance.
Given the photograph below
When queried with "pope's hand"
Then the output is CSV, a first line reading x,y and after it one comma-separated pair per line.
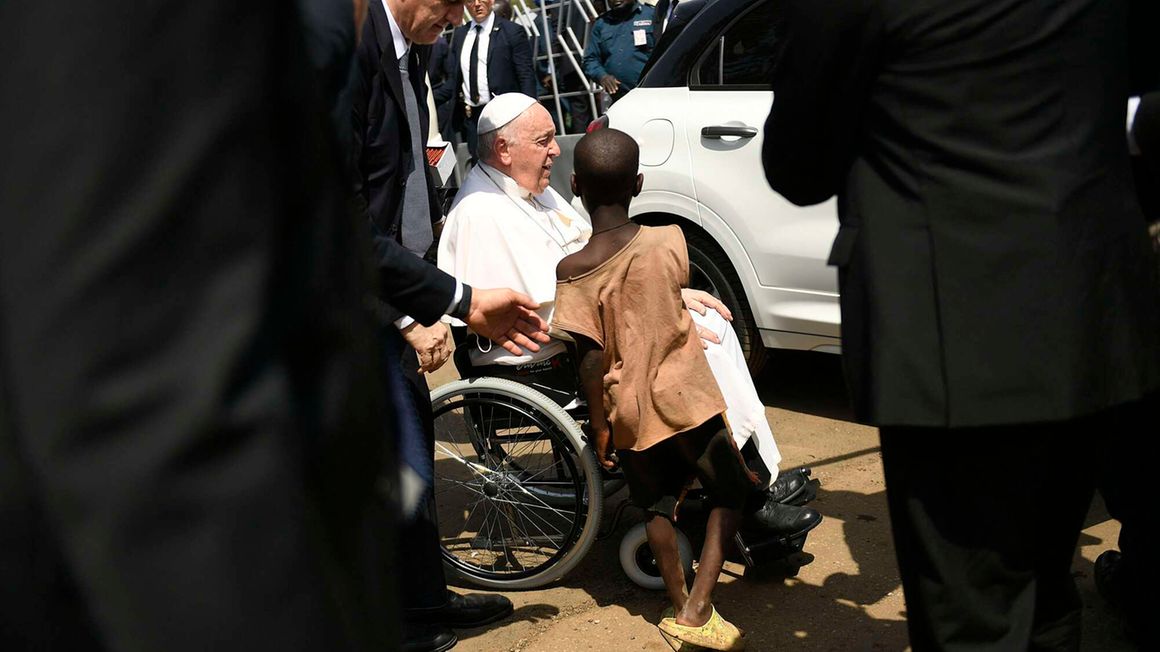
x,y
701,301
507,318
432,344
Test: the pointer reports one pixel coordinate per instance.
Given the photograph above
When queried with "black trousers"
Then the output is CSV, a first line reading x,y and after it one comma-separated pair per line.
x,y
986,521
419,561
469,128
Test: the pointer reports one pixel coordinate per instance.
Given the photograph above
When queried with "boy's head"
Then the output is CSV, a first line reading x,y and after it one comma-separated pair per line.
x,y
605,169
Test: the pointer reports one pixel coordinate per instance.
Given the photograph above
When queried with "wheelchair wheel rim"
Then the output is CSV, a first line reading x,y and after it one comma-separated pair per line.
x,y
510,495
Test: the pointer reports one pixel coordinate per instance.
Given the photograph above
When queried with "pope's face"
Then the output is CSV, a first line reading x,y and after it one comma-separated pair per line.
x,y
534,149
479,9
422,21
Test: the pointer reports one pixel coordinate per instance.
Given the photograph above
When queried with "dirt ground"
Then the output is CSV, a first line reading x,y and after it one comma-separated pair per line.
x,y
848,598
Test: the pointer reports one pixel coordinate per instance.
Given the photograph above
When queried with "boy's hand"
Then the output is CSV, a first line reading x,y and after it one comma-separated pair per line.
x,y
601,441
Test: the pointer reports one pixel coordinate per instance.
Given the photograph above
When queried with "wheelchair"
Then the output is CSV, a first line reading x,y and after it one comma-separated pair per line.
x,y
519,492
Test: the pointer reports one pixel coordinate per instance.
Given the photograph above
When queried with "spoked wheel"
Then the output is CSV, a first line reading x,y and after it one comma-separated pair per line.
x,y
519,494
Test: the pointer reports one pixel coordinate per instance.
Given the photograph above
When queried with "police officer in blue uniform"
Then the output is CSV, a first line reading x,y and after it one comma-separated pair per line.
x,y
619,45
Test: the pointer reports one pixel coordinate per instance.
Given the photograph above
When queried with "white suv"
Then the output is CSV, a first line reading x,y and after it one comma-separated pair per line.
x,y
698,115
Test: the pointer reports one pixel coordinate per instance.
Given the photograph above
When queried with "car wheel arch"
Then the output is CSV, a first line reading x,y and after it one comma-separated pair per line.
x,y
708,257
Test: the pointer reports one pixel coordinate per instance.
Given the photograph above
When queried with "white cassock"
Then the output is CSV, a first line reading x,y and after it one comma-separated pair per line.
x,y
499,235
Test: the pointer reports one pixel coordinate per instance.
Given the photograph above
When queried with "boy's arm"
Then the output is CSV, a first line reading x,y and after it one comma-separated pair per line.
x,y
592,381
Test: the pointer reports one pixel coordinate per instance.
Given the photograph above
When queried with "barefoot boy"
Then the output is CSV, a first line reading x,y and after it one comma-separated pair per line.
x,y
650,391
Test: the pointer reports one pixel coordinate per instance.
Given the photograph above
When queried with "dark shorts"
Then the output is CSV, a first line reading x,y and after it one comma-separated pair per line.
x,y
658,475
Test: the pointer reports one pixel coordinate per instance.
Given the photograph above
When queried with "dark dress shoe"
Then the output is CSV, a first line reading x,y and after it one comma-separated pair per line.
x,y
789,486
464,611
1106,566
427,637
785,520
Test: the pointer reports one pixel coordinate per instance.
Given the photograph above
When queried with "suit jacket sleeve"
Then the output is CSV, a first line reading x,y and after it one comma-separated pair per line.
x,y
407,284
522,60
593,62
821,84
448,65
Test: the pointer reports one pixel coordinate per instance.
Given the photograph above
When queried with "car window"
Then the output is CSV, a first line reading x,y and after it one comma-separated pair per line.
x,y
742,56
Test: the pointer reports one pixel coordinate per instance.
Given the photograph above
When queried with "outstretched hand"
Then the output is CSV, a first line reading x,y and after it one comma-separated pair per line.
x,y
507,318
702,301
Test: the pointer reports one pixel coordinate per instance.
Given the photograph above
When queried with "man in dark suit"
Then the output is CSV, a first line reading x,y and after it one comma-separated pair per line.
x,y
665,10
1144,138
440,70
395,193
1117,574
492,56
190,418
999,296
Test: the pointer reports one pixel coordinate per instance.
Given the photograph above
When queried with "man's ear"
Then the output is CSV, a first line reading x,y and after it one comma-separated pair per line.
x,y
575,185
502,151
639,185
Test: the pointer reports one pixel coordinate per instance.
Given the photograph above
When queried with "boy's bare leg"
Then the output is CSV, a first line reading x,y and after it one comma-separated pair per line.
x,y
662,539
720,529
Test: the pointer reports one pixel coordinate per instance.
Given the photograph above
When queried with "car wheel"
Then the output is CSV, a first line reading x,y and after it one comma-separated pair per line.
x,y
711,271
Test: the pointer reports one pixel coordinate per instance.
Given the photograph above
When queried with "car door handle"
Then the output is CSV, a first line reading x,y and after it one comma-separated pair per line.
x,y
718,131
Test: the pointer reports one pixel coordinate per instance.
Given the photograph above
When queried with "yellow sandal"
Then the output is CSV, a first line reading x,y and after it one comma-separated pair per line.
x,y
716,634
675,643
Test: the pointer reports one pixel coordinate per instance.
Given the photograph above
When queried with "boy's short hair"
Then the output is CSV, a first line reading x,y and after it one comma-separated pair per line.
x,y
606,162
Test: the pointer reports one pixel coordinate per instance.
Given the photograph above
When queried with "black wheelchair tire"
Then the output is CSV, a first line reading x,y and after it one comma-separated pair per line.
x,y
562,426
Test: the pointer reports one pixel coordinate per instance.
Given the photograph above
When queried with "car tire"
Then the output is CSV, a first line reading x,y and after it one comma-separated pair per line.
x,y
710,270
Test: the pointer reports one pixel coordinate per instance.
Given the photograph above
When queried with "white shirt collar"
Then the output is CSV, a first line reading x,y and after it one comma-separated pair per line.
x,y
401,44
487,23
507,184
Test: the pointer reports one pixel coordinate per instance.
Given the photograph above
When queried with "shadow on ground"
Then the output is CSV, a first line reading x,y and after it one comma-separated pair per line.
x,y
848,598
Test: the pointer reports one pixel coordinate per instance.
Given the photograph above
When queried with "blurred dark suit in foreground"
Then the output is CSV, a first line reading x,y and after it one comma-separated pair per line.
x,y
190,411
1000,306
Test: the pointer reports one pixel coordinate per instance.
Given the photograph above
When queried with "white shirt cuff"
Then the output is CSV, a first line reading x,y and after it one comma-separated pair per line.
x,y
1133,104
403,322
455,299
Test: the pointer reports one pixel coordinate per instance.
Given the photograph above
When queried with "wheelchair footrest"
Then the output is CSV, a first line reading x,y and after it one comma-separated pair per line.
x,y
758,548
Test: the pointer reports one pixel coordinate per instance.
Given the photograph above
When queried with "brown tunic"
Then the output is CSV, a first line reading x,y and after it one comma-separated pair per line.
x,y
657,382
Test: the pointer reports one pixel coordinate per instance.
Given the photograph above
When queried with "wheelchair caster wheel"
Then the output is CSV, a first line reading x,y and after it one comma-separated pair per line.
x,y
637,560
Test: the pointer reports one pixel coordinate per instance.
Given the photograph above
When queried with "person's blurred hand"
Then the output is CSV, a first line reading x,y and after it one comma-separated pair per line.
x,y
547,82
610,84
432,344
507,318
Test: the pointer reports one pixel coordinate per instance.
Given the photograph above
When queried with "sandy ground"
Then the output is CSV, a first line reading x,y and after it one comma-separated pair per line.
x,y
848,598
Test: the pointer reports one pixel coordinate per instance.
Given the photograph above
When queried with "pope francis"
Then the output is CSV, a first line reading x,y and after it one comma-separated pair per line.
x,y
509,228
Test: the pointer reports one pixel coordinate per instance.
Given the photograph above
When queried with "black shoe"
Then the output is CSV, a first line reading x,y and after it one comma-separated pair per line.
x,y
1105,575
465,611
789,486
426,637
785,520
